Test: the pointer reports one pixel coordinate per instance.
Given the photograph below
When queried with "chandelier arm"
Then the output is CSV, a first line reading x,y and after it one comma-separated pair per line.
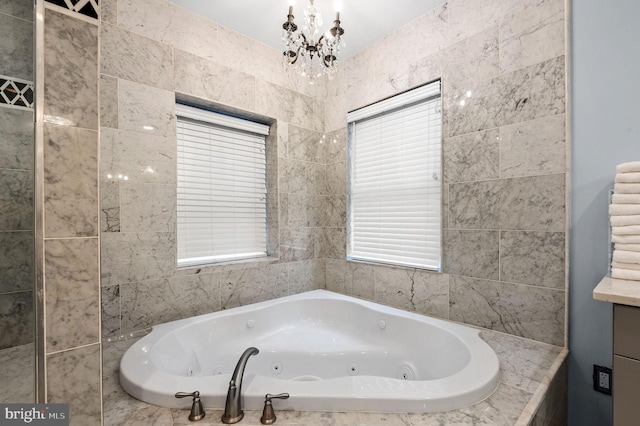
x,y
305,43
330,62
320,40
296,57
321,51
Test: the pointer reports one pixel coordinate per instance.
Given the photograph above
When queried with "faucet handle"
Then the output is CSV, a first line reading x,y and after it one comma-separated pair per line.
x,y
197,411
269,397
195,394
268,415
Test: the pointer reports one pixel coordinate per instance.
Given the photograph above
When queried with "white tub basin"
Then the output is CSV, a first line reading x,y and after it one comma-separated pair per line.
x,y
328,351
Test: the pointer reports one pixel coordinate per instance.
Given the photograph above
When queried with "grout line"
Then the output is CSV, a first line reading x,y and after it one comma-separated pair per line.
x,y
466,182
71,238
17,17
5,293
506,282
75,347
500,255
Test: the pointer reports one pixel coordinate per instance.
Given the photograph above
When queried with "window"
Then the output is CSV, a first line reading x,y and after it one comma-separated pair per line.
x,y
395,165
222,189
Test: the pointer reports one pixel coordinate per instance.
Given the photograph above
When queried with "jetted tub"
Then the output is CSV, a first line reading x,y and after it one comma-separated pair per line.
x,y
328,351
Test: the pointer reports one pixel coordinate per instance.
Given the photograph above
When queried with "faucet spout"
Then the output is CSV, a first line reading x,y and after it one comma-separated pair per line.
x,y
232,410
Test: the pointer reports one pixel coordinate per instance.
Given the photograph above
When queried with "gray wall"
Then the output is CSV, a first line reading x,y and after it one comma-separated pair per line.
x,y
606,132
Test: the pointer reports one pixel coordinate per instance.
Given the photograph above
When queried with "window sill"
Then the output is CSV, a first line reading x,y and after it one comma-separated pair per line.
x,y
395,265
226,266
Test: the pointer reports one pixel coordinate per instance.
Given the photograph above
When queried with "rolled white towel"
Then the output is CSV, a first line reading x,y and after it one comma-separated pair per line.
x,y
628,247
625,274
631,167
625,199
625,239
624,209
625,230
626,256
626,188
625,220
628,178
621,265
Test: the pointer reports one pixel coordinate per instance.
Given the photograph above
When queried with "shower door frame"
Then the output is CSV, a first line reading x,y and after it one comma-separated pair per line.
x,y
39,291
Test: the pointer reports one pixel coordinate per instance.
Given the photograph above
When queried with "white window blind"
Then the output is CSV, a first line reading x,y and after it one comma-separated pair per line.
x,y
395,180
222,191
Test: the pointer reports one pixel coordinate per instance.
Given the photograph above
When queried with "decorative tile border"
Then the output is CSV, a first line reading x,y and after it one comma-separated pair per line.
x,y
16,93
85,7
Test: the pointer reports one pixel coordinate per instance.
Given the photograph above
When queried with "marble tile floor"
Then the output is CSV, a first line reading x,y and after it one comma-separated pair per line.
x,y
16,375
527,368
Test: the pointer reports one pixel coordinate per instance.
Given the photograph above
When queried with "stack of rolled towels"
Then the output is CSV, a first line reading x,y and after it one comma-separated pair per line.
x,y
625,222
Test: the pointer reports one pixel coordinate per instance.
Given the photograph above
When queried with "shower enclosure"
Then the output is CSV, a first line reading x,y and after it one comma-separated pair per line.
x,y
17,212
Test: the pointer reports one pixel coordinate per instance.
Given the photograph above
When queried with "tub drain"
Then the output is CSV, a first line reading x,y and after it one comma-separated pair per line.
x,y
406,373
353,369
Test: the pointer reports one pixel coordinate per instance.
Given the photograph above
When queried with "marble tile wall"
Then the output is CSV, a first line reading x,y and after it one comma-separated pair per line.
x,y
16,175
71,214
505,168
17,374
16,33
16,227
504,164
152,53
504,160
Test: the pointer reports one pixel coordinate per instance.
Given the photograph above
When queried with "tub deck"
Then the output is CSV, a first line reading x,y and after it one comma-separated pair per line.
x,y
532,391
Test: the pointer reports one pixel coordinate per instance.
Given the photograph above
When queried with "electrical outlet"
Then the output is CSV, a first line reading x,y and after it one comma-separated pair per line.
x,y
602,379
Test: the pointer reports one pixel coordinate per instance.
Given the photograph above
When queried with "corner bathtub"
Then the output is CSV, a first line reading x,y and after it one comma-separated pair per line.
x,y
328,351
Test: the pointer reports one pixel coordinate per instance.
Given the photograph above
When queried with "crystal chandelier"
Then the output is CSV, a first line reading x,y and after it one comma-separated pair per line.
x,y
301,47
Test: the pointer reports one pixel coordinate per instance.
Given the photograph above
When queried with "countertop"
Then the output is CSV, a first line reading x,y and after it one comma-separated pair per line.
x,y
623,292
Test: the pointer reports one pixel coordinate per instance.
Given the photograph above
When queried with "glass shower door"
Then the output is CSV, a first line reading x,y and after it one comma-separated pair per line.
x,y
17,358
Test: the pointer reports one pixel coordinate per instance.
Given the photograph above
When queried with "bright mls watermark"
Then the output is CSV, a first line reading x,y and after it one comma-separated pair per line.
x,y
34,414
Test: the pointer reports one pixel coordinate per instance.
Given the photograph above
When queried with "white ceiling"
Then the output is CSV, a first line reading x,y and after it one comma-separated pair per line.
x,y
364,21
